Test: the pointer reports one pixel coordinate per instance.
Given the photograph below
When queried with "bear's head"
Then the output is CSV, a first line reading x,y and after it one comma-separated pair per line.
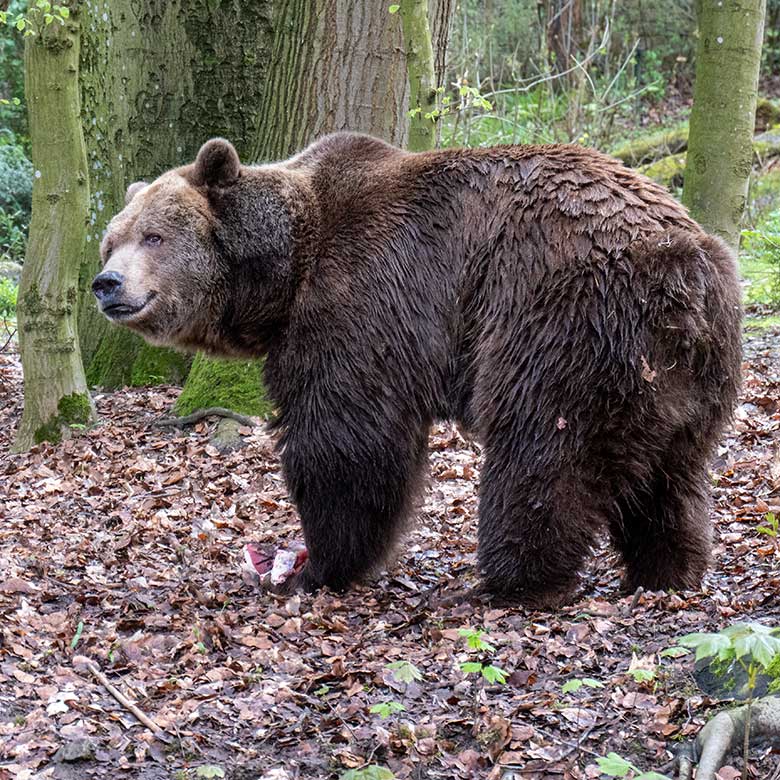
x,y
201,258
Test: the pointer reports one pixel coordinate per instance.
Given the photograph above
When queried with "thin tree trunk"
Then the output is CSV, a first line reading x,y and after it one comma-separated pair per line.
x,y
720,148
420,70
55,390
158,79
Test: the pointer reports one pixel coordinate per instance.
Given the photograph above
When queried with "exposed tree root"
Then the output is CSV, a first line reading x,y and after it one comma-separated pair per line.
x,y
200,414
724,733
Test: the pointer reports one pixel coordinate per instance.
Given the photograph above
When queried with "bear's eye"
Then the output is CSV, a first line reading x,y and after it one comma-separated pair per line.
x,y
153,239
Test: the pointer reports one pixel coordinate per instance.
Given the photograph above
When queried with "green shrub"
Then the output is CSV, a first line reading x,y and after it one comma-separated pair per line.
x,y
12,113
13,236
16,177
8,293
760,261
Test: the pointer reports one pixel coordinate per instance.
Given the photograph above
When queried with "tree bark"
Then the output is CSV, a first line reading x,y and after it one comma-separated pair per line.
x,y
334,65
420,71
720,147
55,390
158,79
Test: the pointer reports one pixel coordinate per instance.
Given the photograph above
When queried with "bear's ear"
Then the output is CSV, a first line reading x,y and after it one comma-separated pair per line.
x,y
134,189
217,164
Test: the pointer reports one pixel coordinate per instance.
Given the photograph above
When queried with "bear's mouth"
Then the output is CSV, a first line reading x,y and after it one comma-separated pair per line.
x,y
124,311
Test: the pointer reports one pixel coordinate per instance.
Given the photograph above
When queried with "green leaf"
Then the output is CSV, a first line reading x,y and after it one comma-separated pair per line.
x,y
322,690
471,667
642,675
209,770
372,772
386,708
64,12
761,648
404,671
591,683
708,645
674,652
77,635
394,9
572,686
474,636
615,766
494,674
21,24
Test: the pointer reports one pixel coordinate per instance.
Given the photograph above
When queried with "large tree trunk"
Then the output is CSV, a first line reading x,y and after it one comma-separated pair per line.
x,y
55,391
334,66
158,79
720,142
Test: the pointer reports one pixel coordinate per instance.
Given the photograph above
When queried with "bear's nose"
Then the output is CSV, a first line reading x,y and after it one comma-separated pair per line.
x,y
107,284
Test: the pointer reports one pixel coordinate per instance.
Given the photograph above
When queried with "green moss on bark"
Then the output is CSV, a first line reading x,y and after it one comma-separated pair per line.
x,y
72,410
124,360
75,409
653,146
667,171
156,365
234,384
113,362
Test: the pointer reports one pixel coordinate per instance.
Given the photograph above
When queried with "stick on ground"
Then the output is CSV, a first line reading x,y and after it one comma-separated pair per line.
x,y
93,669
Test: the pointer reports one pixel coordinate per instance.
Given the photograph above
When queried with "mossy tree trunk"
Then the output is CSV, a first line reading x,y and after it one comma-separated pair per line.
x,y
720,142
55,390
158,79
333,66
420,70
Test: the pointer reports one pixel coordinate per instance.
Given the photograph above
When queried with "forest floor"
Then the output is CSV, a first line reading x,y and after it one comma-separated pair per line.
x,y
124,545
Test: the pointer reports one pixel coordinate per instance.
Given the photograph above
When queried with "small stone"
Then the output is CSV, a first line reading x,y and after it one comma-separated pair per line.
x,y
81,749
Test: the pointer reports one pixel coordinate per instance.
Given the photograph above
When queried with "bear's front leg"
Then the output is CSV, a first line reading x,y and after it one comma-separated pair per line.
x,y
353,484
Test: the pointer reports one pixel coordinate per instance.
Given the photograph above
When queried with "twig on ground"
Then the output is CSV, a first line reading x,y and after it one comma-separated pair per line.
x,y
634,601
571,745
93,669
212,411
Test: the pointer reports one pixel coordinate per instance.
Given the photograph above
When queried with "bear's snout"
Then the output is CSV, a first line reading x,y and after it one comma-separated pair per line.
x,y
107,285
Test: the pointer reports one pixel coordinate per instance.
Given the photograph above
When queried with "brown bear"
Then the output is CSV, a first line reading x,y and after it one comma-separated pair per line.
x,y
563,307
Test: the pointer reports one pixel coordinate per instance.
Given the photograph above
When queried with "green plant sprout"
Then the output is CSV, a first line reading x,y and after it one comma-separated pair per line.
x,y
771,527
475,641
404,672
572,686
613,765
77,635
753,647
386,708
641,675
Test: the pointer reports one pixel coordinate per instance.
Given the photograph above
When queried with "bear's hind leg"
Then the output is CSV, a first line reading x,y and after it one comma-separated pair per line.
x,y
662,529
536,528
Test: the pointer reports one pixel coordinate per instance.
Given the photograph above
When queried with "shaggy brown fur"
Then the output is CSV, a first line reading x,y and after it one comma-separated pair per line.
x,y
562,306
